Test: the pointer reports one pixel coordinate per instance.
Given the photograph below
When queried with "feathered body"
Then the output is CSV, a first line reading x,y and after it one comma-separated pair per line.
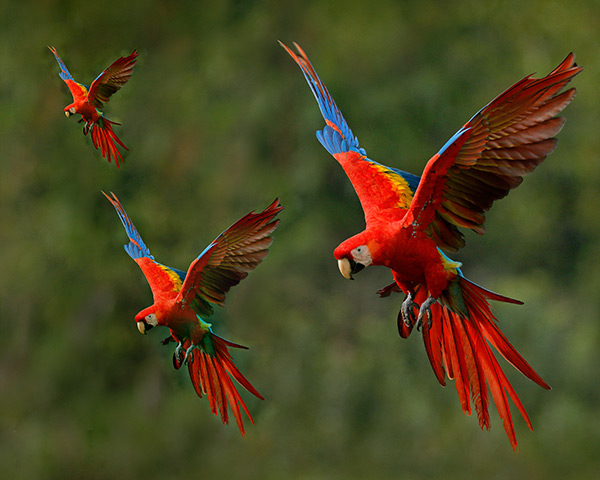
x,y
87,102
182,300
411,221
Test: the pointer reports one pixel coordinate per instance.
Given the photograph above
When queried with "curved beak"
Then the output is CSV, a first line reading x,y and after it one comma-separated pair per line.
x,y
143,327
349,267
67,113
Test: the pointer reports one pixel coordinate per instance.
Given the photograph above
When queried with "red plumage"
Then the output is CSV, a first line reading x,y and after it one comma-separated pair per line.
x,y
408,226
181,298
88,102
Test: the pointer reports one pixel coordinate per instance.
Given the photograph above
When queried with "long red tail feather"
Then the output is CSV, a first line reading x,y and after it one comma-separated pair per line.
x,y
211,376
458,347
104,138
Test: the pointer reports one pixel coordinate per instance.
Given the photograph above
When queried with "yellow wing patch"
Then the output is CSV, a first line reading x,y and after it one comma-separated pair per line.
x,y
378,187
450,265
175,279
396,183
77,89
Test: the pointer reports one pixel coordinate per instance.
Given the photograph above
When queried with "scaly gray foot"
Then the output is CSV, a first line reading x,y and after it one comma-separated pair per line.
x,y
407,310
425,310
179,351
189,354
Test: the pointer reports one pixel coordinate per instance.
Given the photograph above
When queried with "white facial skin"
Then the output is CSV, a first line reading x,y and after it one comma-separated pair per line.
x,y
151,320
361,256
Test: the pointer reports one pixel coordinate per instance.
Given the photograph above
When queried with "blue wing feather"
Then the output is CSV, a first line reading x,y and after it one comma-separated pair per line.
x,y
336,137
341,137
136,248
64,74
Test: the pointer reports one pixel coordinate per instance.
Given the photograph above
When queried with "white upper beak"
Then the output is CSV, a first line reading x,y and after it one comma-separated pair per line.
x,y
345,268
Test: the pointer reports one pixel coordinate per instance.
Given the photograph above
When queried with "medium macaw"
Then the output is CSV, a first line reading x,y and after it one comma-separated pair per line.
x,y
409,221
88,101
182,301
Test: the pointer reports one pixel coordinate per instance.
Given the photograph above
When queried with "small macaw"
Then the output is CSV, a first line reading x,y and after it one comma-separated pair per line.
x,y
88,101
410,220
183,299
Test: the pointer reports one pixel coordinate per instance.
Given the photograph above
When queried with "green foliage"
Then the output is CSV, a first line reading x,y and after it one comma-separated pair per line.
x,y
219,122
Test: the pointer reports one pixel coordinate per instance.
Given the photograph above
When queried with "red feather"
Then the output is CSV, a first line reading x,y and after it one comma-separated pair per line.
x,y
459,347
482,162
88,102
104,138
180,298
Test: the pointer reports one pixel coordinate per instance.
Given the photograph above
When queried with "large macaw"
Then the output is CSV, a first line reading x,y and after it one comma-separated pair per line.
x,y
88,101
182,300
410,220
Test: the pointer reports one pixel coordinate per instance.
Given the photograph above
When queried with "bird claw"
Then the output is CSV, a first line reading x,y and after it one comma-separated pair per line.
x,y
425,310
87,127
179,351
189,354
408,314
185,355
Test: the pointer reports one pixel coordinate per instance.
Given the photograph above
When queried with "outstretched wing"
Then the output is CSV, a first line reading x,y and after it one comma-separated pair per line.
x,y
489,156
163,280
77,89
229,259
111,80
378,187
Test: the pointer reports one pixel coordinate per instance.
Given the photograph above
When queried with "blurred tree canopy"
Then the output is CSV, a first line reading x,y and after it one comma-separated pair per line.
x,y
219,121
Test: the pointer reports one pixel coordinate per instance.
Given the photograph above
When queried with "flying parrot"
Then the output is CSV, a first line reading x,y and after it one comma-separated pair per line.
x,y
183,300
88,101
411,221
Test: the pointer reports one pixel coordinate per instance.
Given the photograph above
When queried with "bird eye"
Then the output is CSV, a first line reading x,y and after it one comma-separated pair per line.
x,y
151,319
362,254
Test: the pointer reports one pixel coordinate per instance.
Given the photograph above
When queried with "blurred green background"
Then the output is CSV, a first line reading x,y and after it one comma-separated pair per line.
x,y
220,121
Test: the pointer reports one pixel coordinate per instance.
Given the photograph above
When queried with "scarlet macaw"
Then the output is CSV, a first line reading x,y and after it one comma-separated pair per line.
x,y
182,301
88,102
409,221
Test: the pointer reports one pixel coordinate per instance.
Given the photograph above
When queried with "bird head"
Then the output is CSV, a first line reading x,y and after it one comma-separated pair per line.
x,y
146,320
69,111
353,255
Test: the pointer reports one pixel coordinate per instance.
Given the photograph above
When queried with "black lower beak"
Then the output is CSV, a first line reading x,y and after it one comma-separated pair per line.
x,y
355,267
